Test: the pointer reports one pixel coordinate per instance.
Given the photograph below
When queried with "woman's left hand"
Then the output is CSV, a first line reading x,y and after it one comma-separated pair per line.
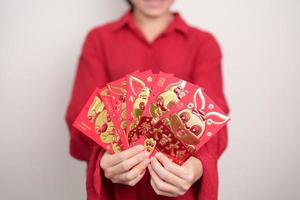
x,y
170,179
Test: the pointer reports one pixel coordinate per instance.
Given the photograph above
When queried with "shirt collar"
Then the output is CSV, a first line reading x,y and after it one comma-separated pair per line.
x,y
177,24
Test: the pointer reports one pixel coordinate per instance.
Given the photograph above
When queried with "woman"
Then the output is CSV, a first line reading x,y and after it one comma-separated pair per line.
x,y
148,36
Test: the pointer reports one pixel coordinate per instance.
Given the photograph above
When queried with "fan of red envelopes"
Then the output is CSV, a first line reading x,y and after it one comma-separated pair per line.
x,y
159,111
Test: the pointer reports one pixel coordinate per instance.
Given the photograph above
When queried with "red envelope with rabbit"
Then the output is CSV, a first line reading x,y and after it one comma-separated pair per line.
x,y
166,92
95,122
138,91
196,119
190,122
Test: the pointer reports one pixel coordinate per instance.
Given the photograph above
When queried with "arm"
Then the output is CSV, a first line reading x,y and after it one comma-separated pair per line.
x,y
91,73
208,74
169,179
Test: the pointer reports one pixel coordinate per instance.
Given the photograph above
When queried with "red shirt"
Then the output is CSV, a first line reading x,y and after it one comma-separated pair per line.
x,y
112,50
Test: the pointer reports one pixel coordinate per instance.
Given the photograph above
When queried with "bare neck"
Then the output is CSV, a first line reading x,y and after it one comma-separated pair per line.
x,y
152,27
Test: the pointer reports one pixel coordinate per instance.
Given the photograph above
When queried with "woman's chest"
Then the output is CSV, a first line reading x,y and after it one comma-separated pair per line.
x,y
170,55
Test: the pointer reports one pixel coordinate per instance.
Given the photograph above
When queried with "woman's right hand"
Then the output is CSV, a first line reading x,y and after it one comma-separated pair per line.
x,y
127,167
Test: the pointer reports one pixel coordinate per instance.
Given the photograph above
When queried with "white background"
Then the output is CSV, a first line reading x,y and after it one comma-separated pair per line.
x,y
40,43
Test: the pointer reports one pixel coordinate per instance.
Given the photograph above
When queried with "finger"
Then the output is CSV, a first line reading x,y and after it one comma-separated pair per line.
x,y
198,168
124,155
165,174
158,192
139,169
128,164
170,166
160,184
134,172
137,179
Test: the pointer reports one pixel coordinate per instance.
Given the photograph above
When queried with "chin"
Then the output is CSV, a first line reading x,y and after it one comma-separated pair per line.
x,y
153,8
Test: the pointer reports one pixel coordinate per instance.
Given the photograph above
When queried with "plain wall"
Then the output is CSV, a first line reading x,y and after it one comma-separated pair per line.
x,y
40,42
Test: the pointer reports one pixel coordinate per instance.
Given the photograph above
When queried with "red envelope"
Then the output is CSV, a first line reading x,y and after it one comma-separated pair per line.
x,y
117,91
166,92
181,127
105,96
158,137
95,123
196,119
138,90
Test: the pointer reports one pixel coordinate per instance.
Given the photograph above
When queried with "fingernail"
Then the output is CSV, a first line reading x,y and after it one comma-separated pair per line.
x,y
157,154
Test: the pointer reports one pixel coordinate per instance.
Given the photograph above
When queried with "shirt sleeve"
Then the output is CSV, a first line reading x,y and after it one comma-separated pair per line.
x,y
95,181
91,73
208,75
